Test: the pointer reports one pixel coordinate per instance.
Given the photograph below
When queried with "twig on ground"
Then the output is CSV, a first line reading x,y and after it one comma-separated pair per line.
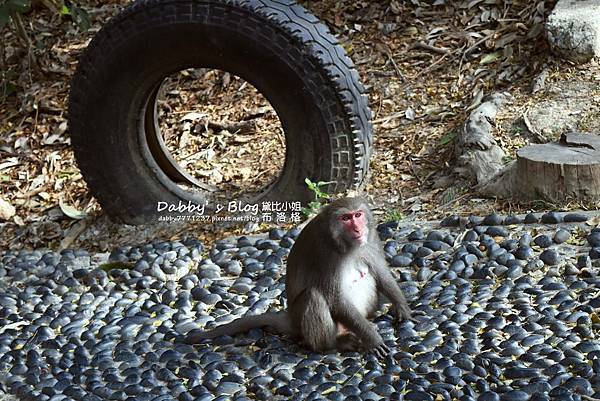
x,y
456,199
425,46
233,127
389,117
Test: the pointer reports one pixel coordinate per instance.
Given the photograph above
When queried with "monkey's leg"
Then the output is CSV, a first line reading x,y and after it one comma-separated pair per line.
x,y
318,330
350,317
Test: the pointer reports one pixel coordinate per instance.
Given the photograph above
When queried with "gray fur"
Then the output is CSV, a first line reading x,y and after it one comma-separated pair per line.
x,y
317,303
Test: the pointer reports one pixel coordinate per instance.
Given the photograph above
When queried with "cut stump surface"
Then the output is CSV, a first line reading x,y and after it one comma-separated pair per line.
x,y
567,169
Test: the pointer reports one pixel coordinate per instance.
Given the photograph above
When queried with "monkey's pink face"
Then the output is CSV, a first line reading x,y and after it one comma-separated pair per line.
x,y
355,225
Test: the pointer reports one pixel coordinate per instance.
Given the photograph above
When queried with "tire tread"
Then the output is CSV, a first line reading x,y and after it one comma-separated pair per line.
x,y
351,137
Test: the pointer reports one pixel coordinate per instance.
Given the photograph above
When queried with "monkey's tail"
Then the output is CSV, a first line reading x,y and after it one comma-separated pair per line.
x,y
278,322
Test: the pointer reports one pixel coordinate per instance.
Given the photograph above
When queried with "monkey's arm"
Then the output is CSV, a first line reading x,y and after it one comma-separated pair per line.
x,y
386,283
347,314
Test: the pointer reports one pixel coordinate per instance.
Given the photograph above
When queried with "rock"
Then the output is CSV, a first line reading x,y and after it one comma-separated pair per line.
x,y
524,253
543,241
515,395
477,153
561,236
584,261
488,396
510,219
416,235
574,218
594,239
401,261
550,257
493,219
434,245
497,231
471,236
573,29
233,267
551,218
531,218
450,221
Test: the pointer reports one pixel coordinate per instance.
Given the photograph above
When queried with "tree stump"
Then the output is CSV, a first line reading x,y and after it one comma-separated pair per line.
x,y
559,171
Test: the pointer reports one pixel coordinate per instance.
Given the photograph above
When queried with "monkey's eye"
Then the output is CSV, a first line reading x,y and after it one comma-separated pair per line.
x,y
357,214
346,217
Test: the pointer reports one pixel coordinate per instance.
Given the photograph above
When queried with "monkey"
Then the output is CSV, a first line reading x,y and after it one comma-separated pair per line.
x,y
336,270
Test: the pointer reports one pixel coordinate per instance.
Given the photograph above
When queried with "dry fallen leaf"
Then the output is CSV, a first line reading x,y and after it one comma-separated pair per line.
x,y
7,211
71,212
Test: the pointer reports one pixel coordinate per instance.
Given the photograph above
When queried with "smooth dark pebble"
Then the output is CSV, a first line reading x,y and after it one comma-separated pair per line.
x,y
450,221
401,261
594,239
550,257
488,396
496,231
543,241
493,219
416,235
515,395
531,218
574,218
510,220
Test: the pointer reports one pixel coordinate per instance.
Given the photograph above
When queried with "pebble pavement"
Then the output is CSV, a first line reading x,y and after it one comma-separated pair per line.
x,y
506,308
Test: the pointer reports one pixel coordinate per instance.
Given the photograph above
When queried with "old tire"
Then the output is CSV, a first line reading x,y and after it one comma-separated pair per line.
x,y
277,46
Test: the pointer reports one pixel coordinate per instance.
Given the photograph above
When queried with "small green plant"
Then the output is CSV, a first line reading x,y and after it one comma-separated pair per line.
x,y
448,138
507,159
449,195
393,215
116,265
14,9
314,206
18,12
517,130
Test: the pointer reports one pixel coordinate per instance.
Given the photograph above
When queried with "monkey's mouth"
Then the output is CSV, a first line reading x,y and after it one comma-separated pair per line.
x,y
359,237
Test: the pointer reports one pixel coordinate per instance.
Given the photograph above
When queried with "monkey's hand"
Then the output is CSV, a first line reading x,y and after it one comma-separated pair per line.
x,y
378,347
402,312
381,351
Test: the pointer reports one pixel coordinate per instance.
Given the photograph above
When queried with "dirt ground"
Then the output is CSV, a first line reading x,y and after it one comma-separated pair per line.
x,y
426,64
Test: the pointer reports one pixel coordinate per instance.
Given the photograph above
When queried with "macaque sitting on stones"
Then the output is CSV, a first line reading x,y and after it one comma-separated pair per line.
x,y
335,273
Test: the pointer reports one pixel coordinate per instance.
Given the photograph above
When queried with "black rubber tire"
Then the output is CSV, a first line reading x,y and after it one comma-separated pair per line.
x,y
277,46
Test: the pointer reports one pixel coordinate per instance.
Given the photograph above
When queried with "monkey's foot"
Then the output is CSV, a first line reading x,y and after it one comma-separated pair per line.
x,y
348,342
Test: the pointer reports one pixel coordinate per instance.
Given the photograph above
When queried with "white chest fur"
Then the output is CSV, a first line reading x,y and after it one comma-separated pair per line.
x,y
358,286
